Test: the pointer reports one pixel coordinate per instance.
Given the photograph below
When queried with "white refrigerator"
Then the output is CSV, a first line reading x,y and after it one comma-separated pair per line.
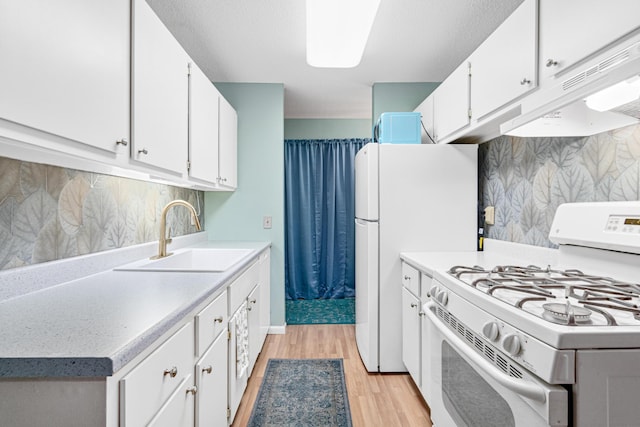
x,y
408,198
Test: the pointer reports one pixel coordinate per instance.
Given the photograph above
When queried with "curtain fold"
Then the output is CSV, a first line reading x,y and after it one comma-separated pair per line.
x,y
319,218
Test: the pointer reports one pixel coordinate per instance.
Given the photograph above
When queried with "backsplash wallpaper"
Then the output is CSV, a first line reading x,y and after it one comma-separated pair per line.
x,y
527,178
49,213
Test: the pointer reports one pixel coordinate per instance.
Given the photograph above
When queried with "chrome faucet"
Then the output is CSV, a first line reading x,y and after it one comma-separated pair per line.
x,y
164,239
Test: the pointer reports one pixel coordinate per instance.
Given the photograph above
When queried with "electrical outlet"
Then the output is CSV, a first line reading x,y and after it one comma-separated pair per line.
x,y
266,222
490,215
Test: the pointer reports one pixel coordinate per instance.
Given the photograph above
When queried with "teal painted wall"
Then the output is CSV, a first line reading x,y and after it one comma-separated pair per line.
x,y
327,128
399,97
238,215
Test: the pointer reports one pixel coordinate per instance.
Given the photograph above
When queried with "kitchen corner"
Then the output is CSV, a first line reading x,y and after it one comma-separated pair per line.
x,y
81,320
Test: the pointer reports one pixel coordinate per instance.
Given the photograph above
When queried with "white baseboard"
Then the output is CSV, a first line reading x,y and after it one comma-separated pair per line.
x,y
278,329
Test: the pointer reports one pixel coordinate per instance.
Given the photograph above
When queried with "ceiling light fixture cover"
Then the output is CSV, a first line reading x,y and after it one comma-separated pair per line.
x,y
337,31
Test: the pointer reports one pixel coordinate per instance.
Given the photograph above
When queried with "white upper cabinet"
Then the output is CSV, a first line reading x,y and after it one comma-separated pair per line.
x,y
203,127
451,103
65,69
160,91
572,30
426,112
228,160
503,68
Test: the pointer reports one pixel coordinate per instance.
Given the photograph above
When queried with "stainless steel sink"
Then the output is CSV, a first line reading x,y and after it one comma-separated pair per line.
x,y
191,260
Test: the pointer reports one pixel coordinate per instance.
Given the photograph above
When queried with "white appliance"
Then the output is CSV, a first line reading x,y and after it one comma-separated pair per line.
x,y
408,198
525,345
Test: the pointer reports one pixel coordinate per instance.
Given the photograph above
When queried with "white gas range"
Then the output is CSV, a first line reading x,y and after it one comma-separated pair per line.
x,y
524,343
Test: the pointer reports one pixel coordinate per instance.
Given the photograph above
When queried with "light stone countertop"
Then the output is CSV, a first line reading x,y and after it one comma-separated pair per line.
x,y
92,326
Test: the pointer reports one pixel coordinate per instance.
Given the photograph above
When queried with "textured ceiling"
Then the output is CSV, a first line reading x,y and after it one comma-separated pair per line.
x,y
263,41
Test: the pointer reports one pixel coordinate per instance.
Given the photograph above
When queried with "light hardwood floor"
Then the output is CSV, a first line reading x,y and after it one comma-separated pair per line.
x,y
375,399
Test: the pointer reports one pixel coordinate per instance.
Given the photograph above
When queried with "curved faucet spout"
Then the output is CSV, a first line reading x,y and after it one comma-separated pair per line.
x,y
164,239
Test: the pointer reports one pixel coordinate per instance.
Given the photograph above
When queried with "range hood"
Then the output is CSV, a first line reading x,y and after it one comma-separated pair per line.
x,y
585,101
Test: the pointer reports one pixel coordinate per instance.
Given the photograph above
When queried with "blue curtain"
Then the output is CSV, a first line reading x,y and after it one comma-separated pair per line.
x,y
319,218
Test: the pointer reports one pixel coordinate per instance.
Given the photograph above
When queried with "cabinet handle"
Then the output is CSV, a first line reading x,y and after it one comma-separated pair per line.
x,y
252,301
551,63
422,313
122,142
208,369
414,305
525,81
171,372
143,151
193,390
407,277
218,319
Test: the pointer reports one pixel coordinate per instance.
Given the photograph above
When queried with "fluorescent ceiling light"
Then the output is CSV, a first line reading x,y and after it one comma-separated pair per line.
x,y
337,31
614,96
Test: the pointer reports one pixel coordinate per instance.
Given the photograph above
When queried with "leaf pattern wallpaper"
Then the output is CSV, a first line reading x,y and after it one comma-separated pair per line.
x,y
49,213
527,178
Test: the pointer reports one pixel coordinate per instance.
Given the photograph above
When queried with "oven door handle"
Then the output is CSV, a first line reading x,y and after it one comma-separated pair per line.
x,y
522,387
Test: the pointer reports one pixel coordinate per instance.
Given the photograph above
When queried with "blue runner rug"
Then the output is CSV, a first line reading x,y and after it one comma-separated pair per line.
x,y
302,392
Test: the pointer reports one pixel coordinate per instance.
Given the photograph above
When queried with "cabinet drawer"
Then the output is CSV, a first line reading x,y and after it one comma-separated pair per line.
x,y
210,322
144,390
425,285
240,288
178,411
411,279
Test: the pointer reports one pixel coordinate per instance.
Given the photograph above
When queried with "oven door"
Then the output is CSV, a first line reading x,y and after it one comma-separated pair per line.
x,y
466,389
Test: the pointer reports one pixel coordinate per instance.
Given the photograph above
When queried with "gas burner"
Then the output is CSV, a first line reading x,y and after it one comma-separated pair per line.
x,y
566,313
592,300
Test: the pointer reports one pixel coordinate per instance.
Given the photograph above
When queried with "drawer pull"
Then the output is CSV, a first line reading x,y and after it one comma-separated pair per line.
x,y
171,372
218,319
414,305
208,369
252,301
407,277
193,390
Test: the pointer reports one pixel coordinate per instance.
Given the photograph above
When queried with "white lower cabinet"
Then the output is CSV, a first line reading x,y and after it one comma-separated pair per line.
x,y
265,295
411,340
211,382
253,314
415,326
146,388
178,411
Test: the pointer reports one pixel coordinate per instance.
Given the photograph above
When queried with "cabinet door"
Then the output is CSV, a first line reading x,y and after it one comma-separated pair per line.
x,y
265,295
211,380
148,386
504,66
203,126
179,409
411,334
451,103
426,111
594,24
228,161
255,344
65,68
160,93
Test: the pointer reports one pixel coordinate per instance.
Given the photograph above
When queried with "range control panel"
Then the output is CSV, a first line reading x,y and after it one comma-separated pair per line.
x,y
623,224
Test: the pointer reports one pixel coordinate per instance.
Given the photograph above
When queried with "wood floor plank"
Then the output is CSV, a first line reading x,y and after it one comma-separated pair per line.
x,y
375,399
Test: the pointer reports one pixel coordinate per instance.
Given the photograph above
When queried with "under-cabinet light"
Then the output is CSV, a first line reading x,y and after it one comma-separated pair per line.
x,y
337,31
614,96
